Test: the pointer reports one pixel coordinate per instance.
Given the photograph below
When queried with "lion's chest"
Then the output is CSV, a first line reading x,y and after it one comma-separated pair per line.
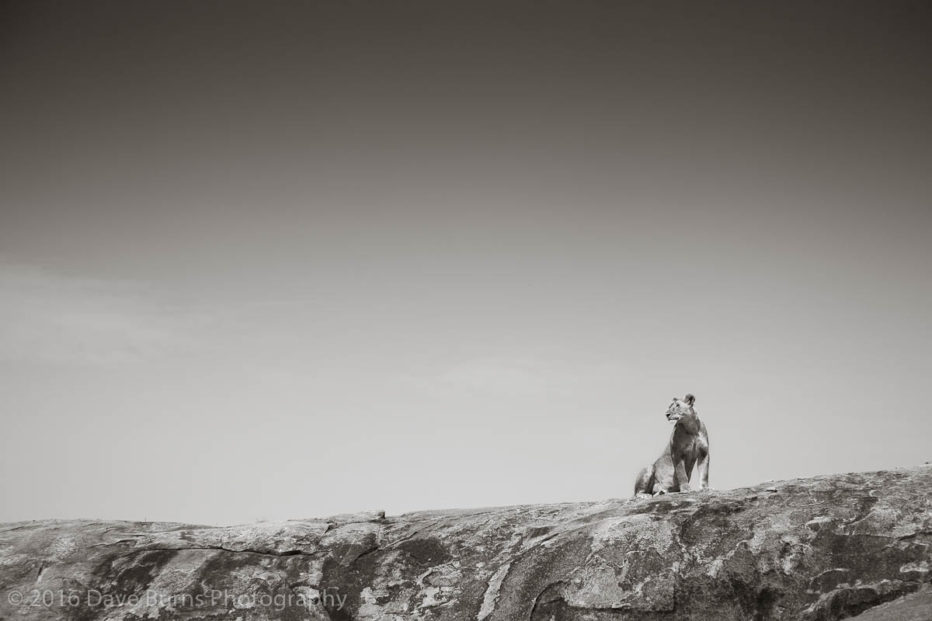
x,y
689,446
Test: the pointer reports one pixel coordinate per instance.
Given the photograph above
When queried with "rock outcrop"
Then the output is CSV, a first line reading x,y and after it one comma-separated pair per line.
x,y
828,547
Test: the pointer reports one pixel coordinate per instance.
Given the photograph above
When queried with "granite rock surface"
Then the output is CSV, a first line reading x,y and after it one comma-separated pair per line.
x,y
816,549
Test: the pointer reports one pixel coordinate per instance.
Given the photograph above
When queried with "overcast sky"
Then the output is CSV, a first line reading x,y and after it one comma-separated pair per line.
x,y
282,260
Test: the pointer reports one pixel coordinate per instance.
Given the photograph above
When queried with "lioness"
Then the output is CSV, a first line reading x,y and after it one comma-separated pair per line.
x,y
688,447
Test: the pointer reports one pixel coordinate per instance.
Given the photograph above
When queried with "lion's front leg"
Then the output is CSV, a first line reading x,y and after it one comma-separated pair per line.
x,y
702,470
680,478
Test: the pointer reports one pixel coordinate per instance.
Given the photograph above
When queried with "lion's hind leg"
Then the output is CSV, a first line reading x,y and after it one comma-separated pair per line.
x,y
644,483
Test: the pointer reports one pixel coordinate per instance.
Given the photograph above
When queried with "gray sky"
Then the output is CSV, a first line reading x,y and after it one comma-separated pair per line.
x,y
279,260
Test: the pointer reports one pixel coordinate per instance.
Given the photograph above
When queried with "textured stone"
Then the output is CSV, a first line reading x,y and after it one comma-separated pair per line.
x,y
825,548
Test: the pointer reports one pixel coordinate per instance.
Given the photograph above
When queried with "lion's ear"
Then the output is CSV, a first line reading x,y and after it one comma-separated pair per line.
x,y
689,400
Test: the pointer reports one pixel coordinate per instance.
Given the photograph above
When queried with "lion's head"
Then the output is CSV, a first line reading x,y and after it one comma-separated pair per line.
x,y
680,408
